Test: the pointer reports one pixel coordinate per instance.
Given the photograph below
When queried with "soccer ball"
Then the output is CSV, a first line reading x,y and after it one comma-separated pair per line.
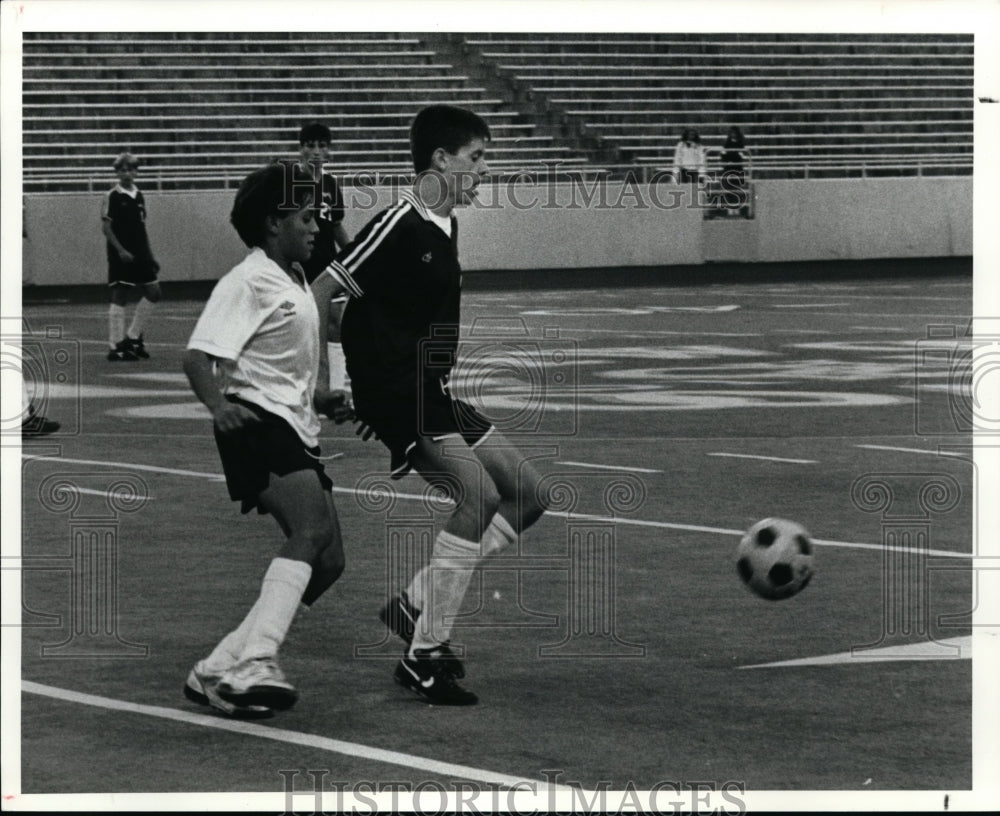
x,y
774,558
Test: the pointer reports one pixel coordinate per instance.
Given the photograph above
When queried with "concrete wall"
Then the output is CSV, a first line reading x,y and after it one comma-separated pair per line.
x,y
529,226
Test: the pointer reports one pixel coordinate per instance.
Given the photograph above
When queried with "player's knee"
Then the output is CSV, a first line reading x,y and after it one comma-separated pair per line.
x,y
316,538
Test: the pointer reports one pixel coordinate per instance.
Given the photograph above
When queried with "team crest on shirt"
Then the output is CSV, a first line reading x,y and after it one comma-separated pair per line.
x,y
426,257
288,307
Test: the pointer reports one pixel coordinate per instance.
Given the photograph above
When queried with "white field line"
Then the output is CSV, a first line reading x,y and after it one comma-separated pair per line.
x,y
314,741
915,450
959,648
610,467
663,525
766,458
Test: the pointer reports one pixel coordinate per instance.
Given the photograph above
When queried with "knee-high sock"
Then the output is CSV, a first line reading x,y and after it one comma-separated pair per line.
x,y
280,593
339,381
227,651
452,563
116,324
144,308
498,536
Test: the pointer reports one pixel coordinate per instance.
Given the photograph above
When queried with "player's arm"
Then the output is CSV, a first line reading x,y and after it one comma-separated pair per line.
x,y
340,235
333,404
107,227
200,370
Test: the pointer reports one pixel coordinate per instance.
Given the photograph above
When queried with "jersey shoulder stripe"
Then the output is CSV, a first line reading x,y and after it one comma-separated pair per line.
x,y
381,230
337,271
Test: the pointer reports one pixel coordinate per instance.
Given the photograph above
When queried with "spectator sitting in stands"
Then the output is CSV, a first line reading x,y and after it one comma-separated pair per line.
x,y
689,158
734,156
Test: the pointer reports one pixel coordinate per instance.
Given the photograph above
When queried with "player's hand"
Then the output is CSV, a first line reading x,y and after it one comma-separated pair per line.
x,y
126,256
365,431
335,405
231,416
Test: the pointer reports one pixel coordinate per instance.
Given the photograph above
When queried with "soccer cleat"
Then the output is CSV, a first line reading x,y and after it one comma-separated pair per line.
x,y
201,688
430,676
257,682
38,425
401,618
122,351
137,347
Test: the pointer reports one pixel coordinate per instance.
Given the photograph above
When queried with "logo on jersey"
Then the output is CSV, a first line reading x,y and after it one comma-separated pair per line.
x,y
288,307
426,258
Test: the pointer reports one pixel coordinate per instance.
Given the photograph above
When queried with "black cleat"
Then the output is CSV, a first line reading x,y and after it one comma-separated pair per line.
x,y
137,347
429,675
38,425
401,618
122,351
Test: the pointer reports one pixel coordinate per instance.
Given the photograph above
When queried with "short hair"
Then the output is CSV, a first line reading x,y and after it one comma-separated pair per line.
x,y
443,126
277,189
126,159
314,132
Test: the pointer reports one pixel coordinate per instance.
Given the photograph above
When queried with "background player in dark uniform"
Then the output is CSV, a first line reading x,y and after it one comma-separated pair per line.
x,y
131,263
314,149
400,337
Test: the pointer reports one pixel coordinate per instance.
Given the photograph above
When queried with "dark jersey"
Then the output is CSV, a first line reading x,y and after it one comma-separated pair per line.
x,y
328,202
126,214
401,322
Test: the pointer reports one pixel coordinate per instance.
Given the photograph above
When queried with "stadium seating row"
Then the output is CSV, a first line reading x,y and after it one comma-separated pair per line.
x,y
207,107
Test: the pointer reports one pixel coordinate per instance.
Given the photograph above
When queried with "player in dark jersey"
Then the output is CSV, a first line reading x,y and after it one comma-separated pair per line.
x,y
131,264
400,337
314,149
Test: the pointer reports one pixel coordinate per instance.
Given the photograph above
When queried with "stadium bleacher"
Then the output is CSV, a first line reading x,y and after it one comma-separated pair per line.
x,y
203,109
836,103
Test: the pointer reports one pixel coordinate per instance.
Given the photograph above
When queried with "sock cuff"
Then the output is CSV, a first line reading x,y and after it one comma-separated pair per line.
x,y
450,545
502,526
289,571
498,535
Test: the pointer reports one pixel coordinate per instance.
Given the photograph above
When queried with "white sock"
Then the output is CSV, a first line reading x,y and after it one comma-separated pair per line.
x,y
339,380
116,324
228,650
452,563
498,535
280,594
143,309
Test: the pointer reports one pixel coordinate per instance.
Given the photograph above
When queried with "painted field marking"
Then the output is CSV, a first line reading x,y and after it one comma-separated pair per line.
x,y
609,467
105,493
663,525
151,468
314,741
807,305
914,450
766,458
911,651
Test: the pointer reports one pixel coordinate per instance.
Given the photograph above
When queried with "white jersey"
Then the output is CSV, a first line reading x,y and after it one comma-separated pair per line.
x,y
264,329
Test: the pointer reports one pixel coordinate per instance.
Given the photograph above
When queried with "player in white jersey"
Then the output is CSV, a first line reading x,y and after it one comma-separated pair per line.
x,y
252,360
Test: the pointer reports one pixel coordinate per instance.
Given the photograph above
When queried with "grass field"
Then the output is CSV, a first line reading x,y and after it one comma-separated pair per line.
x,y
667,419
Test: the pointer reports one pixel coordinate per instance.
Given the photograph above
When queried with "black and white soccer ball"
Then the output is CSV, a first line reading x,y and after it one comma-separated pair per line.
x,y
775,558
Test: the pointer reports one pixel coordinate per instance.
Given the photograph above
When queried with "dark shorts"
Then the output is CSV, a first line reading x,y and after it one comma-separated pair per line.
x,y
250,455
139,272
399,419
